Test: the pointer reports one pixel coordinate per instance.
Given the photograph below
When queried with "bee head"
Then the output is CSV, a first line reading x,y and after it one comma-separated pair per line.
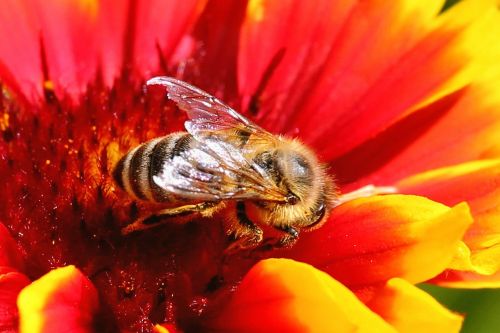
x,y
310,190
297,172
296,175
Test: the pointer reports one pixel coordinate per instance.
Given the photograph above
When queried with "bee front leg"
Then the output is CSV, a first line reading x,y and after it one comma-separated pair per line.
x,y
290,237
247,234
162,216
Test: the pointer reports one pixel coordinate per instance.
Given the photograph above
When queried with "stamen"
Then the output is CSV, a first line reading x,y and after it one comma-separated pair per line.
x,y
366,191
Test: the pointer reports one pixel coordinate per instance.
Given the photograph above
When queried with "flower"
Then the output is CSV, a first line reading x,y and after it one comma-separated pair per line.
x,y
389,94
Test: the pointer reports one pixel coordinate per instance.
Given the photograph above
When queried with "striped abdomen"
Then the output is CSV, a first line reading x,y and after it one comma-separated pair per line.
x,y
134,172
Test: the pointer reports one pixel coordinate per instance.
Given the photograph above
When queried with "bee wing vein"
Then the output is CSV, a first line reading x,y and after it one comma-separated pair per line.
x,y
215,127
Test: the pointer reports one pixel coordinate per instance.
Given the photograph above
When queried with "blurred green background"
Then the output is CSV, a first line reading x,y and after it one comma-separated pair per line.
x,y
481,307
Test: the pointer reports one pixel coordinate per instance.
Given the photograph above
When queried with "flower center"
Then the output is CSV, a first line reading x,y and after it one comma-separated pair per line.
x,y
62,207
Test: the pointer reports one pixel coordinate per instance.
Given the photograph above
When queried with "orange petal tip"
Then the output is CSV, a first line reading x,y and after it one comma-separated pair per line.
x,y
282,295
63,300
371,240
476,183
160,329
409,309
165,328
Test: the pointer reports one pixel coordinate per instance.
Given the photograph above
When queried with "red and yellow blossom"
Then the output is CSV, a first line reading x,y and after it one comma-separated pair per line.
x,y
395,94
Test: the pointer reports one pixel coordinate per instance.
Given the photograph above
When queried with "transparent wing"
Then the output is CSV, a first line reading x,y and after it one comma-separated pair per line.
x,y
205,112
215,170
226,144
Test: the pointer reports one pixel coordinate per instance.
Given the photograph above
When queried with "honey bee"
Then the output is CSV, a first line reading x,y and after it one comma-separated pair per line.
x,y
226,164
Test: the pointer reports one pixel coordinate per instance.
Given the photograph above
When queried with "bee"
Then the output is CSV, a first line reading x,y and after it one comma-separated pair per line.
x,y
225,164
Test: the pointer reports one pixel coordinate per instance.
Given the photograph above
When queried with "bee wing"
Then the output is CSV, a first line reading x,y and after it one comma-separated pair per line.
x,y
218,165
215,170
205,112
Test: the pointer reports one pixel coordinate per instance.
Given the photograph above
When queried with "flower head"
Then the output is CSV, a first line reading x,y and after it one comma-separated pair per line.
x,y
388,94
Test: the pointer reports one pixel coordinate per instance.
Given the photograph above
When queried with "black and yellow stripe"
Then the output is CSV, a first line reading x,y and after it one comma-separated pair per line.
x,y
134,172
164,150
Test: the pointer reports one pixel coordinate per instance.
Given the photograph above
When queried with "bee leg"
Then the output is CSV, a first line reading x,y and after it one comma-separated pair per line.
x,y
289,238
248,234
161,217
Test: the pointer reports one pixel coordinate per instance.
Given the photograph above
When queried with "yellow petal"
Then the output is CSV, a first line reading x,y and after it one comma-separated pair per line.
x,y
282,295
477,183
160,329
63,300
368,241
410,309
479,24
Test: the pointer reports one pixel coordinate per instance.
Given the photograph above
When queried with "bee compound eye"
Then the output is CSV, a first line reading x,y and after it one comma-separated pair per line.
x,y
292,199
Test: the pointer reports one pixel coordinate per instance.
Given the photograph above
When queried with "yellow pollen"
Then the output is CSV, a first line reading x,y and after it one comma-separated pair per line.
x,y
255,10
160,329
113,152
4,121
89,7
48,85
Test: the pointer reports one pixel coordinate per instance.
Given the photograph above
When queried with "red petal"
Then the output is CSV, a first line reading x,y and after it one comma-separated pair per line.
x,y
20,66
11,283
369,241
329,55
78,37
216,35
457,129
369,93
9,251
463,126
111,29
293,39
155,29
67,31
63,300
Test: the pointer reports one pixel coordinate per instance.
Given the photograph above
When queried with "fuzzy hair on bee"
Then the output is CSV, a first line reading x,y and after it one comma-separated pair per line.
x,y
225,164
